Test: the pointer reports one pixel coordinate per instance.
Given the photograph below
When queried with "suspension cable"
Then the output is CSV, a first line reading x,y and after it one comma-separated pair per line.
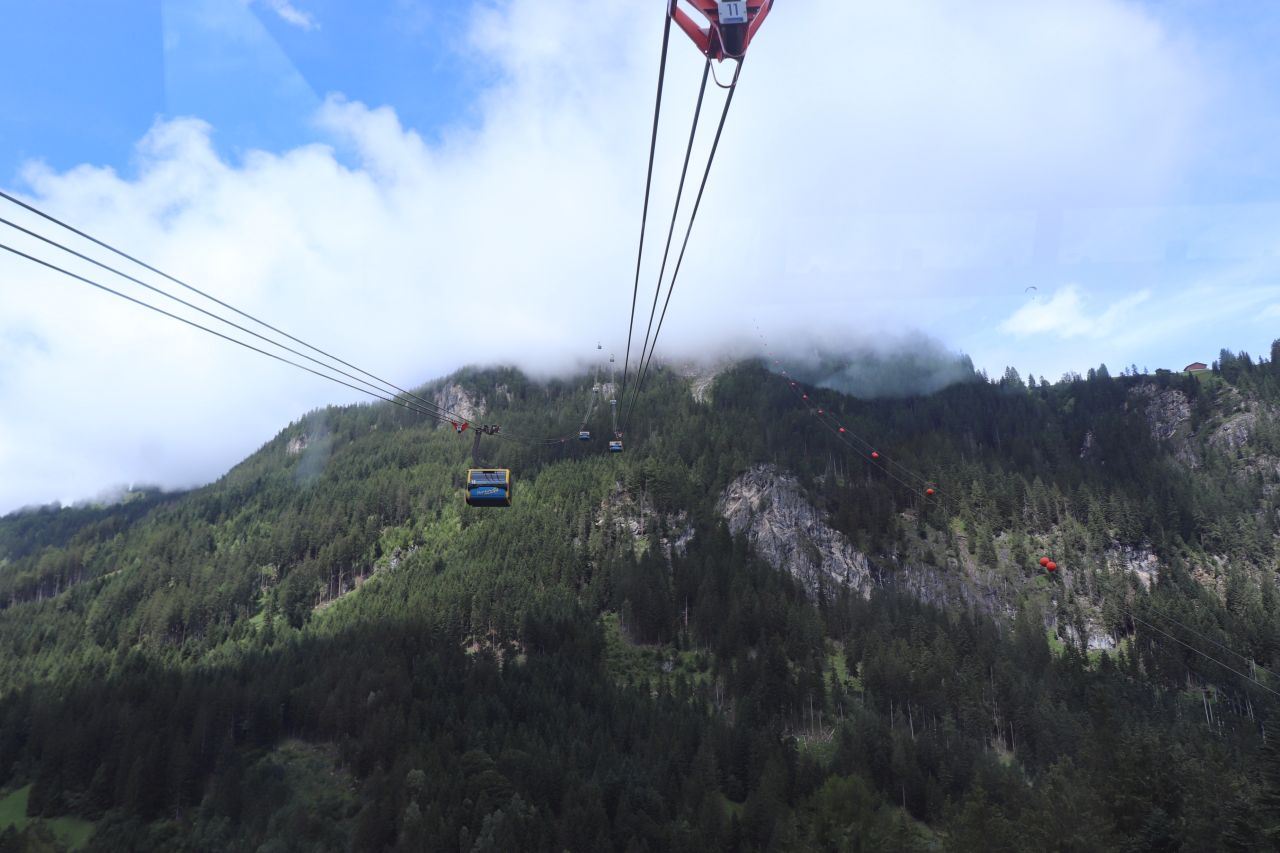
x,y
194,324
1205,655
715,144
842,434
421,406
208,296
675,211
211,314
648,182
1253,663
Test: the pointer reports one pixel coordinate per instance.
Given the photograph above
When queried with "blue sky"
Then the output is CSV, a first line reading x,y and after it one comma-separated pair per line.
x,y
100,74
375,176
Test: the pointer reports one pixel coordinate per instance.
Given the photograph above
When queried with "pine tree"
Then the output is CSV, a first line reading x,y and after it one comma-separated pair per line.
x,y
1269,785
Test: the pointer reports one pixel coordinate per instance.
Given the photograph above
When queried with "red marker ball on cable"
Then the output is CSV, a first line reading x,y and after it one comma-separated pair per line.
x,y
842,429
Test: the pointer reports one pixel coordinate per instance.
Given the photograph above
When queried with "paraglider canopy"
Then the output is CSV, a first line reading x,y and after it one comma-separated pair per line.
x,y
930,491
875,454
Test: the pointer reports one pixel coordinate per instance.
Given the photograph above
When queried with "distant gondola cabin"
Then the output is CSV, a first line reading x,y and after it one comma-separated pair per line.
x,y
489,487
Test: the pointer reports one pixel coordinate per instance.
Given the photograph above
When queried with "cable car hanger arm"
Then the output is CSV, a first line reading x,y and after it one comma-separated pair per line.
x,y
731,25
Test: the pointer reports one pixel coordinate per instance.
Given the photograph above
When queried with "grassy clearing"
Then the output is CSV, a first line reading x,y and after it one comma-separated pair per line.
x,y
625,660
647,664
13,809
72,832
731,809
835,660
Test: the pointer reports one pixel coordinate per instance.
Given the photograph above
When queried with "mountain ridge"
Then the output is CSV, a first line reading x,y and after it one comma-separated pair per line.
x,y
263,570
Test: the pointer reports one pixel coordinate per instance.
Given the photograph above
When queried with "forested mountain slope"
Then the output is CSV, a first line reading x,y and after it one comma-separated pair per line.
x,y
605,665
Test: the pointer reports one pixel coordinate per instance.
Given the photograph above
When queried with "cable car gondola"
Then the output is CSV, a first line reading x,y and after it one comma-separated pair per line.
x,y
585,435
489,487
615,446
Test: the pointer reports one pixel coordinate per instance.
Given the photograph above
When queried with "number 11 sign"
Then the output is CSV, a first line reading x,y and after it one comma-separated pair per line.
x,y
732,11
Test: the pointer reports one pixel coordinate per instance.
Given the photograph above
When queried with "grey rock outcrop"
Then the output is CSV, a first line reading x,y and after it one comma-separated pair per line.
x,y
1239,427
459,401
788,532
637,519
701,377
1168,415
1167,410
1142,563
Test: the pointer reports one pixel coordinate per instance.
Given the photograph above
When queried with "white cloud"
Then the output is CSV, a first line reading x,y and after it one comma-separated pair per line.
x,y
1063,315
1188,319
857,171
291,14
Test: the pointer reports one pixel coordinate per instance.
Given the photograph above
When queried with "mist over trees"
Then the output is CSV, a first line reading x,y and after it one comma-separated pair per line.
x,y
912,366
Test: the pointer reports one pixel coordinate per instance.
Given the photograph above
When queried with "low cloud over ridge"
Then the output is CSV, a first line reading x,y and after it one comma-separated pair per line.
x,y
512,238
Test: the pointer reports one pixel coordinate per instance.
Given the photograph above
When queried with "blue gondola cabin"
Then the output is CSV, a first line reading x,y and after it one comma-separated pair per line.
x,y
585,435
489,487
615,447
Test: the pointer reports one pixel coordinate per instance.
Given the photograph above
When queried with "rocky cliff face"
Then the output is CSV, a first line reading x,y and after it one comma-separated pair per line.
x,y
770,508
701,377
1241,419
787,531
1167,410
635,517
1142,563
460,401
1168,415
